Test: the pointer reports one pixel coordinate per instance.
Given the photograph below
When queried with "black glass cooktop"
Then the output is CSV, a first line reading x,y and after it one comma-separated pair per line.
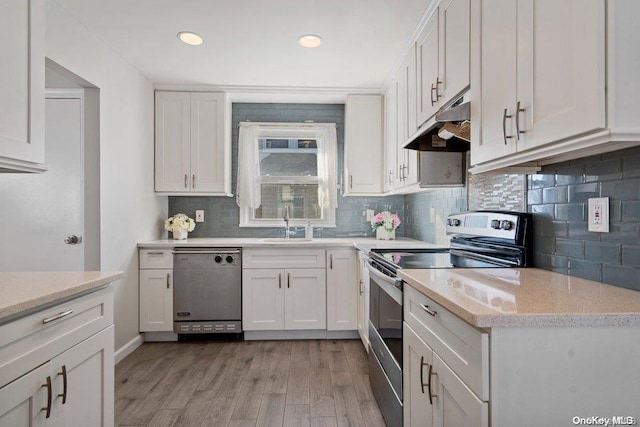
x,y
415,258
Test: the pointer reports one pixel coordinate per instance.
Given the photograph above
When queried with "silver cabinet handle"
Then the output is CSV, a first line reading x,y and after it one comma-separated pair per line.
x,y
49,397
390,173
72,240
155,253
422,365
279,280
431,395
438,83
351,181
56,317
331,261
505,116
288,280
518,111
428,310
360,287
64,384
168,278
186,178
433,90
193,181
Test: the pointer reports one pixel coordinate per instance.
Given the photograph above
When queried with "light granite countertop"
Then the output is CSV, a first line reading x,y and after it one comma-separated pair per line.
x,y
361,243
26,292
526,297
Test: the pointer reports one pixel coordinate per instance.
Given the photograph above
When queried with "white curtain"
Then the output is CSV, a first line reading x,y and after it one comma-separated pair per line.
x,y
327,159
248,182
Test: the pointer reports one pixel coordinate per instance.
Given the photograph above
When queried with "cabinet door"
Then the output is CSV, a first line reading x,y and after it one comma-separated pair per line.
x,y
561,69
455,405
390,136
407,160
417,358
208,171
363,144
363,300
22,43
342,290
454,48
89,371
21,400
173,141
305,301
156,300
401,126
263,299
427,56
495,90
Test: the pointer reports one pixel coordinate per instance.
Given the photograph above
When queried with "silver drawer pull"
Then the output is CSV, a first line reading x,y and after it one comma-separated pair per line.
x,y
155,253
428,310
57,316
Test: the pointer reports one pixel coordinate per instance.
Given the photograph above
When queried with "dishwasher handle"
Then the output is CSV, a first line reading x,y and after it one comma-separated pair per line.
x,y
205,251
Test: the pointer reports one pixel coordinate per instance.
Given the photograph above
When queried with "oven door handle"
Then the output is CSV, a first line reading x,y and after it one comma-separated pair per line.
x,y
379,275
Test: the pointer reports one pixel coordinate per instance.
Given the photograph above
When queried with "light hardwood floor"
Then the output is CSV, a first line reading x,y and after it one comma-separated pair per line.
x,y
246,383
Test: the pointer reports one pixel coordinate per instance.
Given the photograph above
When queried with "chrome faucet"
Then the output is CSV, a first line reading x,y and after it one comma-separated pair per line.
x,y
286,222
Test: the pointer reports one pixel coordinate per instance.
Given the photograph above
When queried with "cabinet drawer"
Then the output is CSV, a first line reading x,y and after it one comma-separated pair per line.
x,y
283,258
461,346
29,341
156,258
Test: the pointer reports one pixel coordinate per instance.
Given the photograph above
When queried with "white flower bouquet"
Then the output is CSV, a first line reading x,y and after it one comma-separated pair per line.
x,y
179,225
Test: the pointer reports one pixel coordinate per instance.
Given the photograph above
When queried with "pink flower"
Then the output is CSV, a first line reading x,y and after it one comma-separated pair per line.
x,y
396,221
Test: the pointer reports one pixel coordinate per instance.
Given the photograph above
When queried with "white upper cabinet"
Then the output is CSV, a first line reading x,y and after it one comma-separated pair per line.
x,y
193,144
539,73
390,136
406,160
363,145
442,52
22,43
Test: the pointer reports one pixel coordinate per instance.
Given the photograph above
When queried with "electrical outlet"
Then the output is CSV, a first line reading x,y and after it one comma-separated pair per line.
x,y
599,214
369,214
199,215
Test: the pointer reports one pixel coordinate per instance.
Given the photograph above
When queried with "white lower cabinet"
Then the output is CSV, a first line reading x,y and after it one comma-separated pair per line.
x,y
435,395
57,365
283,299
156,290
342,290
363,300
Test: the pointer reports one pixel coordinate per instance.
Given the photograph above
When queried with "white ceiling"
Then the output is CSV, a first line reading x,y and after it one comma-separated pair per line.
x,y
253,43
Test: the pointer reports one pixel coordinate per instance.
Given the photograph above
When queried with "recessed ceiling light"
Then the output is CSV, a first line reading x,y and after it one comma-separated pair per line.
x,y
309,40
190,38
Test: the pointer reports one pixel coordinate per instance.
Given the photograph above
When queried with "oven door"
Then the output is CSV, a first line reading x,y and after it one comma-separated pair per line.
x,y
385,325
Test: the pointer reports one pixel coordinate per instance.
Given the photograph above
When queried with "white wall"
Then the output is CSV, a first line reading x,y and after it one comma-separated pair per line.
x,y
130,212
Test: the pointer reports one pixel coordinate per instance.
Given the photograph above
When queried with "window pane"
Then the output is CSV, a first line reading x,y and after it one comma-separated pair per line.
x,y
288,157
302,200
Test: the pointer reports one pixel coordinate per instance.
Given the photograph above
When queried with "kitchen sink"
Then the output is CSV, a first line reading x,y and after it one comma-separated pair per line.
x,y
284,240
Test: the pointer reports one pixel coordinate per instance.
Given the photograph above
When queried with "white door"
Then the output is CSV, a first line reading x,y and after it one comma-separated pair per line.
x,y
41,210
342,290
454,47
207,142
305,302
173,141
498,81
156,300
561,69
428,79
263,299
418,358
390,136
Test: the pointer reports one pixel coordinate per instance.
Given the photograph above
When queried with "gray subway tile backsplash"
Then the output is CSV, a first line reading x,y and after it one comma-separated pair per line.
x,y
560,229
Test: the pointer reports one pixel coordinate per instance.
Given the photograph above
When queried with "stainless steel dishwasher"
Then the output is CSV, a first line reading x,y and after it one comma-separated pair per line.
x,y
207,290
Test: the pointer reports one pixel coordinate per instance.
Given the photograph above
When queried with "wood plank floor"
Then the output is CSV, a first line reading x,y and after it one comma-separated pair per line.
x,y
246,383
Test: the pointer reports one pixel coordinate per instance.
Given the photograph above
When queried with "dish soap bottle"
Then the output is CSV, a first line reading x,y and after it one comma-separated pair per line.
x,y
308,231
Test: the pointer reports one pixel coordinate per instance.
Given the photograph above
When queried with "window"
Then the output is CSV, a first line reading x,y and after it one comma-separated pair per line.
x,y
287,165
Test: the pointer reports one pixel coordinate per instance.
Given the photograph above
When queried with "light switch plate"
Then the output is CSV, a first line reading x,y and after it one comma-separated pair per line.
x,y
369,214
199,215
599,214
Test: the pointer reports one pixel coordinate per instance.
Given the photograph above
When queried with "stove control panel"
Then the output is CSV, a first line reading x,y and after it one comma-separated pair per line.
x,y
484,224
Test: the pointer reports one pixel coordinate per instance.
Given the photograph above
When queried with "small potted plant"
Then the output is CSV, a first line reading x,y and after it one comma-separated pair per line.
x,y
179,225
385,224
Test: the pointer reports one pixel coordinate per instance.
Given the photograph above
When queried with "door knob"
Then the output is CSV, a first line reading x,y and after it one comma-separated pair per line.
x,y
72,240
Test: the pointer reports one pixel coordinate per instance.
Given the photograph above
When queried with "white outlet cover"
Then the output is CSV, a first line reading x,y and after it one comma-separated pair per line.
x,y
598,216
199,215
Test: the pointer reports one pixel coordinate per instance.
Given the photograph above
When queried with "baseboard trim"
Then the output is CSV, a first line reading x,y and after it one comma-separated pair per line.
x,y
160,336
299,335
128,348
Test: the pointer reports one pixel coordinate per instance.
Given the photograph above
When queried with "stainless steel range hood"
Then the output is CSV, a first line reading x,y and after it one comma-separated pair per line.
x,y
452,122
